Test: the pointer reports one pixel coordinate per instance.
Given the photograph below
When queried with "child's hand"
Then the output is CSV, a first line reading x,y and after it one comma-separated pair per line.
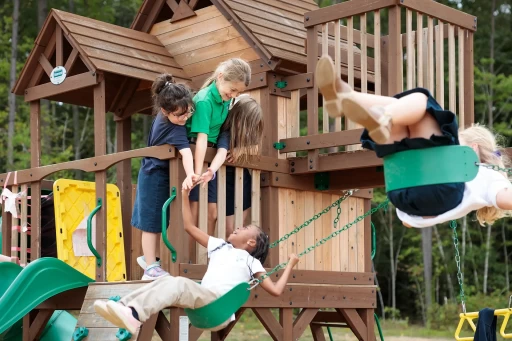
x,y
207,176
293,260
229,158
189,182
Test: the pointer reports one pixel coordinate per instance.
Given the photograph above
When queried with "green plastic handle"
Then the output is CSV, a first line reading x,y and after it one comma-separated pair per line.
x,y
165,223
89,233
374,240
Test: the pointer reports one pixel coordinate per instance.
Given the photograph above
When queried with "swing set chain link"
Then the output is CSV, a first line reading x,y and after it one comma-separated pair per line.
x,y
338,213
315,217
332,235
460,278
496,168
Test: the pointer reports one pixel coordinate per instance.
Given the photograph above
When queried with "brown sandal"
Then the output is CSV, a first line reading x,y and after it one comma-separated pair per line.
x,y
329,84
375,120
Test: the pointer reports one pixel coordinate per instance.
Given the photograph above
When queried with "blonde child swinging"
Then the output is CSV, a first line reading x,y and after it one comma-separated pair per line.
x,y
414,120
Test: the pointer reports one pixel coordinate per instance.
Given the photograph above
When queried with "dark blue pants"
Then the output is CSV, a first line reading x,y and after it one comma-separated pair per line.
x,y
486,326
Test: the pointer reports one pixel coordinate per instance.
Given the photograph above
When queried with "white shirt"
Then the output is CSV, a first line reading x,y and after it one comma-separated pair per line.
x,y
228,267
479,192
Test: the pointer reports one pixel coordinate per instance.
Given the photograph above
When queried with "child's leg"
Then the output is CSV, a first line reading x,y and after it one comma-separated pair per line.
x,y
149,244
165,292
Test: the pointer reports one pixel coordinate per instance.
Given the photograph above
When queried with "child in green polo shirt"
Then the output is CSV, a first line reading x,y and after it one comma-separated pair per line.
x,y
229,80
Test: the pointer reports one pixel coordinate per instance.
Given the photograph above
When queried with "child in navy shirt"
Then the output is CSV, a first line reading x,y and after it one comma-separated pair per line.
x,y
173,105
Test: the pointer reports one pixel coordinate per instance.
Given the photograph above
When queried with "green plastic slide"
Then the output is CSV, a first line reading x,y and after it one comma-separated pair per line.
x,y
40,280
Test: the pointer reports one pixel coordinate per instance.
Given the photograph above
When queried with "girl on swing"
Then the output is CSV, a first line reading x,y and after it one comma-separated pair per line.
x,y
414,120
237,260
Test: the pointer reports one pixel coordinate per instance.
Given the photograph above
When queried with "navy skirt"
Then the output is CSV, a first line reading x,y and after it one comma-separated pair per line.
x,y
152,193
230,190
430,200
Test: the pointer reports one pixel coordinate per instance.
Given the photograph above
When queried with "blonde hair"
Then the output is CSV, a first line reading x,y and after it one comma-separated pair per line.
x,y
245,125
233,70
489,153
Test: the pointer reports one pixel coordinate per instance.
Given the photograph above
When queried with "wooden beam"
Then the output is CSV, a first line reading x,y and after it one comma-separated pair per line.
x,y
367,316
139,101
302,321
45,64
35,188
93,164
39,323
442,12
47,52
312,96
326,140
394,57
124,183
339,181
183,11
223,333
338,161
163,327
196,272
47,90
59,48
344,10
355,322
147,328
71,60
317,332
269,322
100,149
469,81
69,300
286,320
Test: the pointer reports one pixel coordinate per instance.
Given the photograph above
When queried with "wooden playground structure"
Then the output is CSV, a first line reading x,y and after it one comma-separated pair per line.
x,y
111,68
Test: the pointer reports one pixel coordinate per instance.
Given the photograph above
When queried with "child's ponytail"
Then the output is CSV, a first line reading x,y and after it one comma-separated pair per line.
x,y
489,152
169,95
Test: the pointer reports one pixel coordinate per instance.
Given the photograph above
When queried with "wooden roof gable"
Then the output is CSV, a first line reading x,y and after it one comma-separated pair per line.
x,y
82,44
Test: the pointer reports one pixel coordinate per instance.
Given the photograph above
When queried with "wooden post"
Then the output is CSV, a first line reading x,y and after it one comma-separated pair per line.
x,y
100,148
461,75
469,81
286,321
124,182
176,233
312,93
35,187
394,52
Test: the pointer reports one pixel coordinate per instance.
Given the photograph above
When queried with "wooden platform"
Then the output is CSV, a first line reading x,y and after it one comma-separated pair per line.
x,y
351,305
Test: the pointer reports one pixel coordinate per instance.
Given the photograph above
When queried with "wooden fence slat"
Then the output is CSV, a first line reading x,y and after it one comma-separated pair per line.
x,y
221,203
461,78
419,32
337,62
430,69
377,53
325,50
14,222
239,197
410,46
255,197
24,225
364,55
451,69
440,63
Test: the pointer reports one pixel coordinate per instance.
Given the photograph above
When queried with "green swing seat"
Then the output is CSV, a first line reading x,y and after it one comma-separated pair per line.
x,y
220,310
438,165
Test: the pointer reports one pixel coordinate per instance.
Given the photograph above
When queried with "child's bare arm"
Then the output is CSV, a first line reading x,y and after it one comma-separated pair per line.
x,y
504,199
277,288
201,145
200,236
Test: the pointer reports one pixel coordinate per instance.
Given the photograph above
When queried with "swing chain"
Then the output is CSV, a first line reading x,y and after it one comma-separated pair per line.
x,y
460,278
338,213
324,240
496,168
315,217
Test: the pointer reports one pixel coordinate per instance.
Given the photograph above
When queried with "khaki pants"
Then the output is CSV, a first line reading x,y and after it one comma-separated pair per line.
x,y
166,292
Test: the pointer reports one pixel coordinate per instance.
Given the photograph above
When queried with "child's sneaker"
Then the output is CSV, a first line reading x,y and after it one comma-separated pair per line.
x,y
124,316
101,308
154,272
142,262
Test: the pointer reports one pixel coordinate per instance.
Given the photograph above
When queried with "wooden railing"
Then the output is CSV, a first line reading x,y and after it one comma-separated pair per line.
x,y
432,49
14,241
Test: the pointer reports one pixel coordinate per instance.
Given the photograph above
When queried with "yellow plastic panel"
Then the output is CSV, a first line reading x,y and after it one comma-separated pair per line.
x,y
74,200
